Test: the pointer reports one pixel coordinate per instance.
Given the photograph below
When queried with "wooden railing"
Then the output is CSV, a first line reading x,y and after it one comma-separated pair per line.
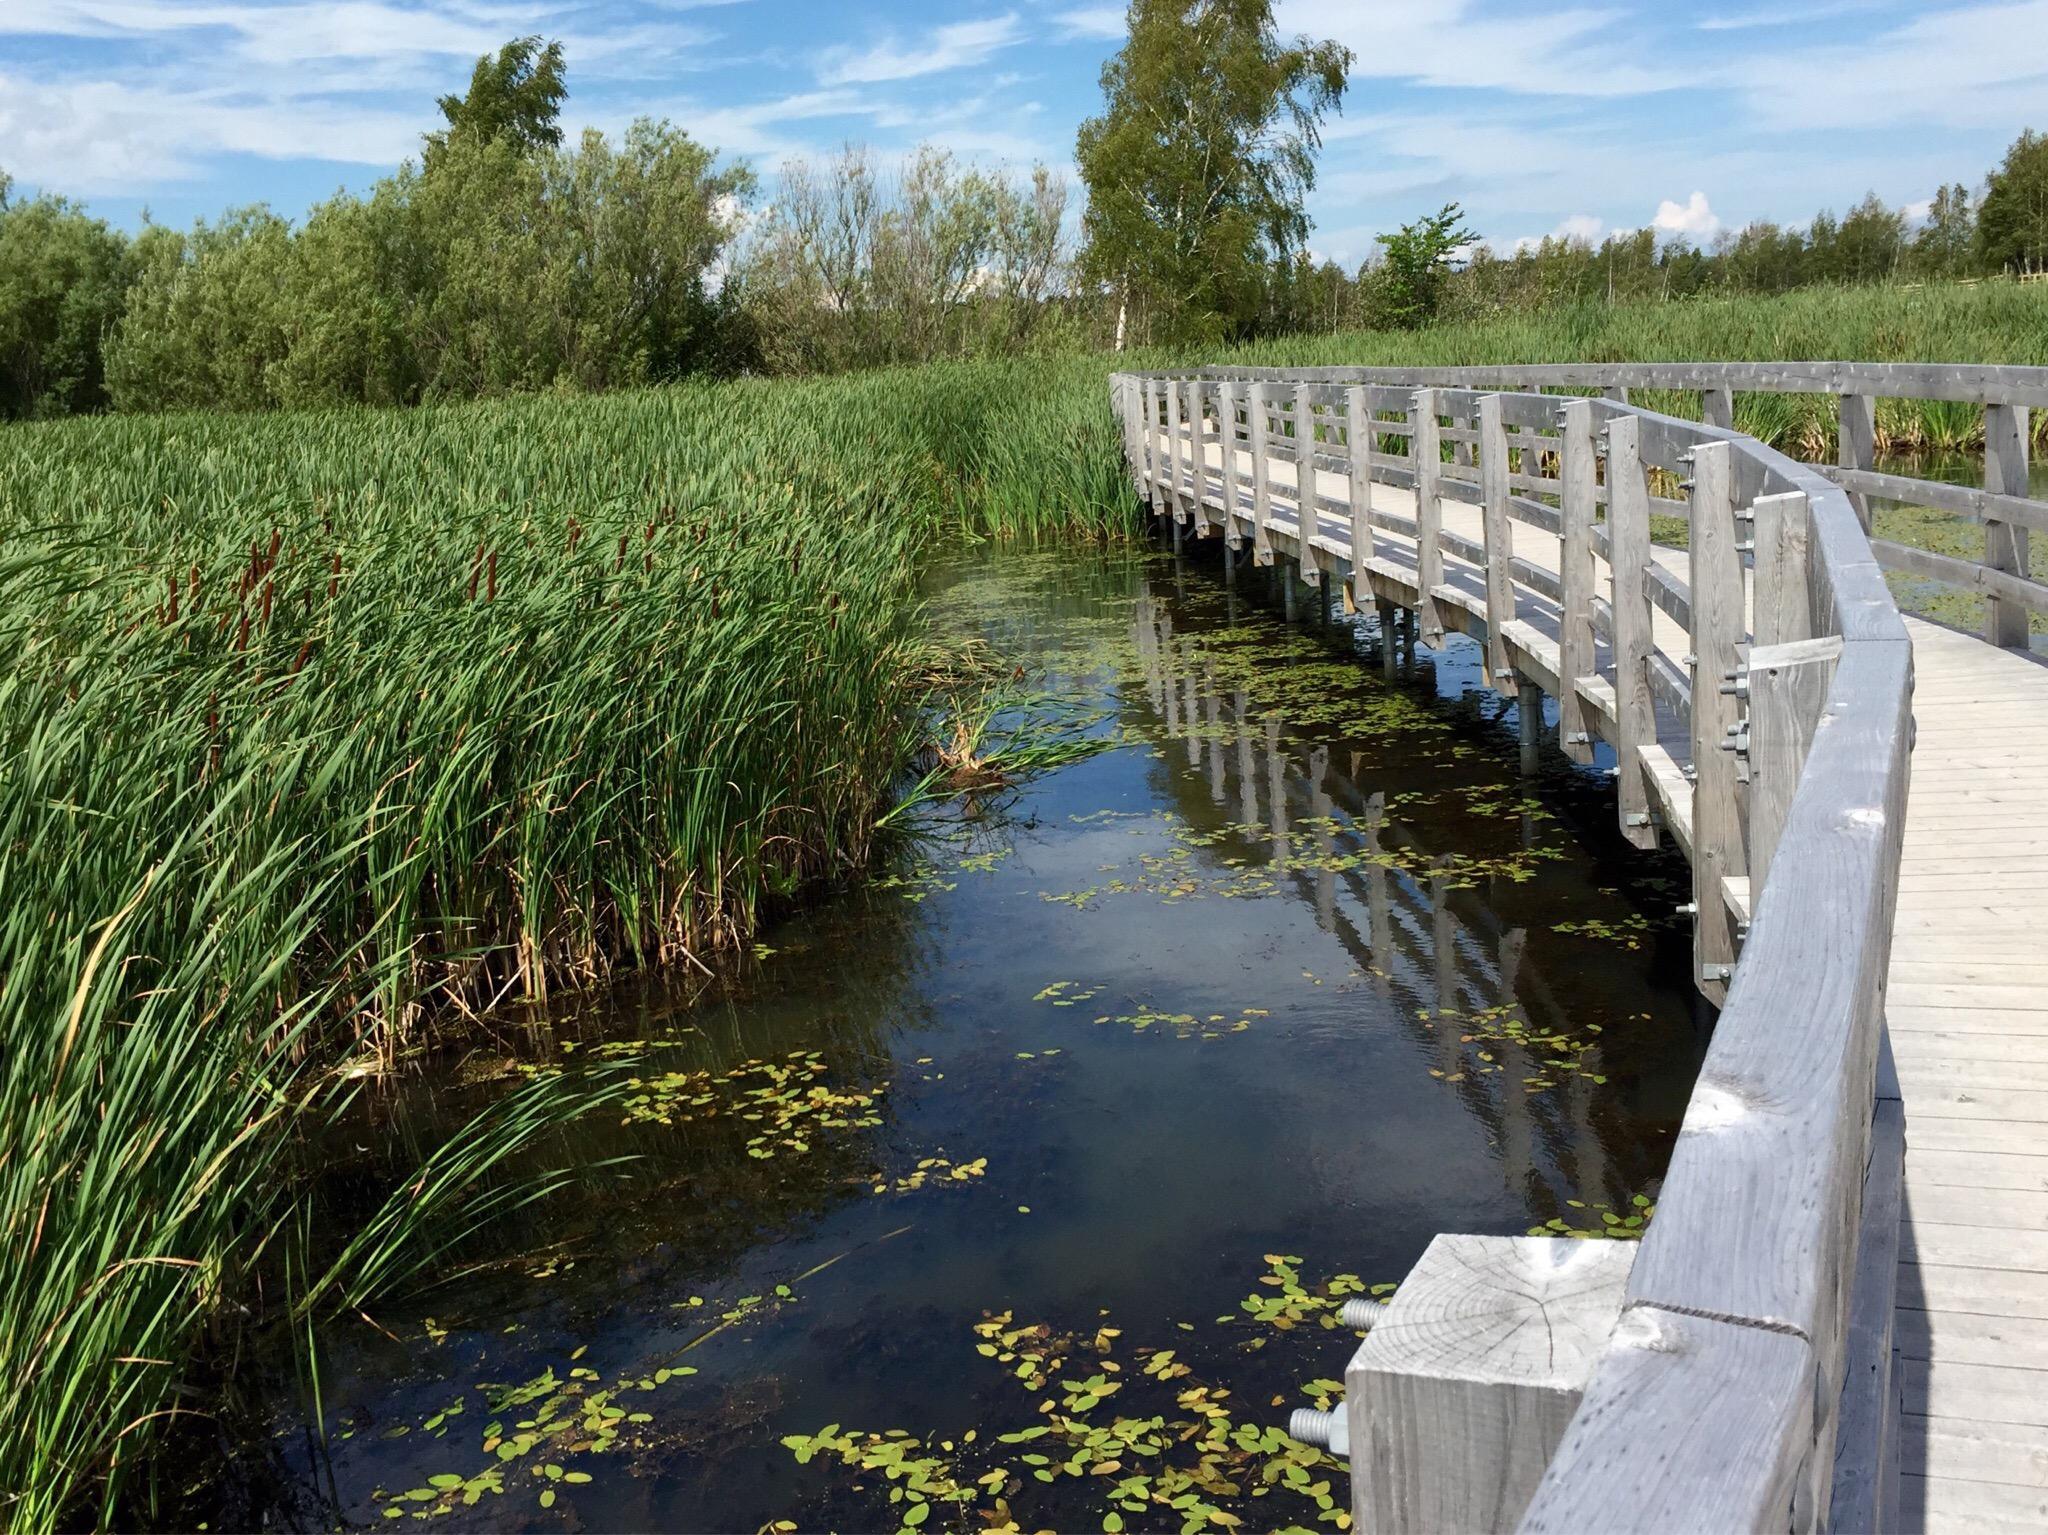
x,y
1756,694
2003,395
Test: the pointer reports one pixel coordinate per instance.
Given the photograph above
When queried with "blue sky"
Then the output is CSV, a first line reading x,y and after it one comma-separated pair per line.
x,y
1578,117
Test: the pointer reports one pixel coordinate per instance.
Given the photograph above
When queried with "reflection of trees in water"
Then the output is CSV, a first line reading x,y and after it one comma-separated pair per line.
x,y
1399,901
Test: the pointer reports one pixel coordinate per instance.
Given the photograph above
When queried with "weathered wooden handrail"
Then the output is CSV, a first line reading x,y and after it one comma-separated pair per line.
x,y
1773,745
2003,576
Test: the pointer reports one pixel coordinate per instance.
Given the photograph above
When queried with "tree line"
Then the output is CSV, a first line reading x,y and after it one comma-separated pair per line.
x,y
506,260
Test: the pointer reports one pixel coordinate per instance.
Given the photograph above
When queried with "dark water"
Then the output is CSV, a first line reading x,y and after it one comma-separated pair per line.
x,y
1157,1056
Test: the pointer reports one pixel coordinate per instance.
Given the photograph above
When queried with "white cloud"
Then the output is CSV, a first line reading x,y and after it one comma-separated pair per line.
x,y
1106,22
1982,66
1692,218
96,136
1540,51
957,45
1782,16
1581,226
1916,212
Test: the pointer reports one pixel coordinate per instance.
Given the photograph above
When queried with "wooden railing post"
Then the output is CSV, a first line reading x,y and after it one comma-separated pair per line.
x,y
1782,608
1460,1394
1856,444
1127,411
1176,419
1500,581
1308,559
1153,495
1578,473
2005,543
1717,407
1262,500
1358,463
1230,397
1426,440
1198,454
1628,554
1718,629
1788,687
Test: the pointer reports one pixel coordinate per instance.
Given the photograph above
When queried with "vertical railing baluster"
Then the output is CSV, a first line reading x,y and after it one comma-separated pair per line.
x,y
1500,580
1262,501
1151,415
1230,396
2005,543
1358,466
1856,445
1577,473
1176,416
1309,559
1426,441
1717,407
1781,609
1718,630
1628,555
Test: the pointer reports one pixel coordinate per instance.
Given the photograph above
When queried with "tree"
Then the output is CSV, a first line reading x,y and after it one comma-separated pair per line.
x,y
516,96
1945,245
1418,260
2012,220
1198,164
1868,243
63,276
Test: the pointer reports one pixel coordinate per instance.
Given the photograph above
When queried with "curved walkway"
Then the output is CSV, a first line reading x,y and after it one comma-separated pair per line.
x,y
1968,1012
1968,1005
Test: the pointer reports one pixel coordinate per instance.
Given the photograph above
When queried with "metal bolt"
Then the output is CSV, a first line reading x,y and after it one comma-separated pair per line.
x,y
1579,738
1742,932
1686,456
1717,972
1326,1430
1685,484
1689,909
1636,818
1359,1313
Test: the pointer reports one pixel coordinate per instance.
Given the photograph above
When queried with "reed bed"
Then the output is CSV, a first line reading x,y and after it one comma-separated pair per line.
x,y
1988,322
318,728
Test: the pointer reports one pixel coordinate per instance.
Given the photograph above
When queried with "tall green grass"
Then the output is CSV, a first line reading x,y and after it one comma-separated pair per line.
x,y
1990,322
316,728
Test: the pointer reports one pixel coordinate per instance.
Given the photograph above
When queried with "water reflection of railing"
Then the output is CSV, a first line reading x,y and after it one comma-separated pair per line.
x,y
1413,937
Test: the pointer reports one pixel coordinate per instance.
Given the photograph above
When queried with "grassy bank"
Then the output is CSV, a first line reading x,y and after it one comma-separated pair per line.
x,y
320,727
1991,322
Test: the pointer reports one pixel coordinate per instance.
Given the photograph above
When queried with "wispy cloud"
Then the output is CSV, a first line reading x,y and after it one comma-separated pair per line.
x,y
957,45
1104,22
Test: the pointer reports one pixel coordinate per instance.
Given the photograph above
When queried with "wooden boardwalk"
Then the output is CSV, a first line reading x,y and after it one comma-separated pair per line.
x,y
1839,1320
1968,1008
1968,1011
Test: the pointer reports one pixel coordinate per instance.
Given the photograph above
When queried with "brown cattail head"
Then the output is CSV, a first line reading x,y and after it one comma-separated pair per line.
x,y
269,588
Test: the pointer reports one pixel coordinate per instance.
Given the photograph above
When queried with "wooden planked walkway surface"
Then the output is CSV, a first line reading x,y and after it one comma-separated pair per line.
x,y
1968,1015
1968,1011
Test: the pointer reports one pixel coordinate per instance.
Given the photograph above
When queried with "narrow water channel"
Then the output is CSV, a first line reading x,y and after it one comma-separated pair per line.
x,y
1020,1185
